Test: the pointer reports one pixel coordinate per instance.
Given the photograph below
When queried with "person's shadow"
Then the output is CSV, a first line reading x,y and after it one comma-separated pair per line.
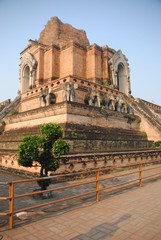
x,y
102,231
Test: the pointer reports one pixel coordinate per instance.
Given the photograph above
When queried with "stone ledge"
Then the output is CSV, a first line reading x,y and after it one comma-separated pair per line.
x,y
86,162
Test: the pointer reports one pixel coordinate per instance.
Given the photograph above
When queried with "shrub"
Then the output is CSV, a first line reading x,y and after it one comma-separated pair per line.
x,y
2,126
145,135
60,147
28,150
45,150
14,112
1,130
157,144
3,123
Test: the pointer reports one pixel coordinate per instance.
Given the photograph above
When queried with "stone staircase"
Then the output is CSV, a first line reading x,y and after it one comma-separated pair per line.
x,y
149,112
9,107
140,107
4,104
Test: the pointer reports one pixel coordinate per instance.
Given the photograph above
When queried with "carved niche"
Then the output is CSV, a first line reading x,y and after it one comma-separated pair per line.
x,y
120,72
27,73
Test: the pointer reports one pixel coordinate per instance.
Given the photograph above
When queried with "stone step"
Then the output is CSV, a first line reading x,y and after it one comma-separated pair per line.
x,y
82,138
10,145
89,145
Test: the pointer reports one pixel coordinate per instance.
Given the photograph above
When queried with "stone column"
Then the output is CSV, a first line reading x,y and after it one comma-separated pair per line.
x,y
105,64
116,82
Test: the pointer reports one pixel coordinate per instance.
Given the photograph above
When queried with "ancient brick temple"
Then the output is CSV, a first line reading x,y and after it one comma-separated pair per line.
x,y
84,88
62,65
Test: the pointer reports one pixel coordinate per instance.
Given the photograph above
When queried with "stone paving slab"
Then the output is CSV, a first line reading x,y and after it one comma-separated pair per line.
x,y
133,214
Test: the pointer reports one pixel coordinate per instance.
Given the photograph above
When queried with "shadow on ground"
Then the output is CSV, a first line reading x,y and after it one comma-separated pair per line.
x,y
103,230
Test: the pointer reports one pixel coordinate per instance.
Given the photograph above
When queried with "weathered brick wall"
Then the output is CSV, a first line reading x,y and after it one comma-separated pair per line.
x,y
39,56
59,33
27,102
72,59
79,62
98,63
105,68
48,64
66,62
90,63
55,63
86,128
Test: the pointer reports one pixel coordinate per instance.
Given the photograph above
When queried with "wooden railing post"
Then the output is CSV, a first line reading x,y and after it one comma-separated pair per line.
x,y
140,174
11,204
97,186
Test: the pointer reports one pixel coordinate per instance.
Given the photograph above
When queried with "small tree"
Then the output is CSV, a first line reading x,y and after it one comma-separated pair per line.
x,y
45,149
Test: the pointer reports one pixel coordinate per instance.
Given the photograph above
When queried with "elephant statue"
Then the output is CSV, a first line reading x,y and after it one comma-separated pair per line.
x,y
47,97
68,91
94,98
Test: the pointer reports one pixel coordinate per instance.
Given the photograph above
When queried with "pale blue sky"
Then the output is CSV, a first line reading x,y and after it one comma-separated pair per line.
x,y
134,26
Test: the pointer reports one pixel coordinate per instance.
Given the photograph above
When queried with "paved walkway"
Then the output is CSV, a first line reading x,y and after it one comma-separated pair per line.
x,y
133,214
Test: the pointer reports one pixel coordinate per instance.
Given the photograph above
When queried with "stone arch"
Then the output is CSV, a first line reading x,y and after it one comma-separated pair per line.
x,y
122,78
120,72
27,73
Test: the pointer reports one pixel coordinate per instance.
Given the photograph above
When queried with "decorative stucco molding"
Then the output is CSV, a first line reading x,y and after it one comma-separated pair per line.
x,y
120,59
30,62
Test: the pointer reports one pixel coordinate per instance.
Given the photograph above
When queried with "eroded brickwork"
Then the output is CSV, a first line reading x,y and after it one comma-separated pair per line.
x,y
65,51
84,88
58,33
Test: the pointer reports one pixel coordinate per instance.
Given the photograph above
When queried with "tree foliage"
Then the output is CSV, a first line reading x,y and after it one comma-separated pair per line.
x,y
45,149
28,150
157,144
60,147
